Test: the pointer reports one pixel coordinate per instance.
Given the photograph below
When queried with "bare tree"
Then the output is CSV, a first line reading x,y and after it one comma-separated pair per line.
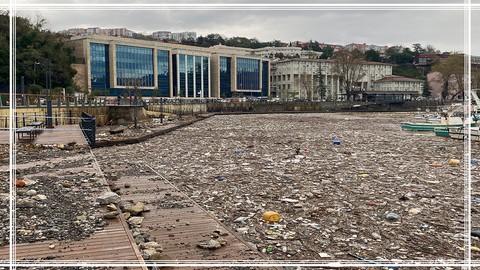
x,y
304,83
134,83
348,66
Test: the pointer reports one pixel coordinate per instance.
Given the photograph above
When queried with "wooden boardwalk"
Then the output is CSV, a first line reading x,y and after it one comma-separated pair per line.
x,y
112,244
58,135
178,223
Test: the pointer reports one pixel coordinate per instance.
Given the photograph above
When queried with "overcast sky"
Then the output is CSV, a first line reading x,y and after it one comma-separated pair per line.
x,y
444,29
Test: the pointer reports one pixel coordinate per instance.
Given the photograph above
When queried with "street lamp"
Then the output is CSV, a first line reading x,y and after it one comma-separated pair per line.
x,y
35,70
48,85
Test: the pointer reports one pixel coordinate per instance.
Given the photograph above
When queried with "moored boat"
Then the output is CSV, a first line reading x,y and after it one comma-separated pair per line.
x,y
451,117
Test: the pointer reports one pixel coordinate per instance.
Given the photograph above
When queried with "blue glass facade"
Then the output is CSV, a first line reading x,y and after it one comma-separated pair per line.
x,y
163,73
248,74
206,77
134,66
181,71
190,75
198,76
265,78
225,82
189,82
99,66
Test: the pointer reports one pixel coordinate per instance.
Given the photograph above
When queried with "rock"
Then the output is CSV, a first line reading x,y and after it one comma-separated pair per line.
x,y
152,245
211,244
127,185
136,209
110,215
156,256
117,129
376,236
148,254
111,207
51,246
392,216
39,197
31,192
66,185
414,211
4,197
108,198
135,221
26,203
126,215
139,239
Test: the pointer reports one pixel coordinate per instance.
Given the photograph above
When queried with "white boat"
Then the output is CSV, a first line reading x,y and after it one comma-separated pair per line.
x,y
450,117
460,133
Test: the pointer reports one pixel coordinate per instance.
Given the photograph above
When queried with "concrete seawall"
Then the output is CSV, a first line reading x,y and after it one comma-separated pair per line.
x,y
105,114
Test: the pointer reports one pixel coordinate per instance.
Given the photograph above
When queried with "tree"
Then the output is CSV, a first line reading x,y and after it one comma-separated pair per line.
x,y
304,84
35,45
348,66
35,89
373,56
431,49
399,55
327,52
4,49
321,90
427,89
452,74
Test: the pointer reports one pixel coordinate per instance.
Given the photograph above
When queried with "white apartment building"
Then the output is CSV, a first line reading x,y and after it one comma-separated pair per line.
x,y
295,78
365,47
116,32
266,52
161,35
184,35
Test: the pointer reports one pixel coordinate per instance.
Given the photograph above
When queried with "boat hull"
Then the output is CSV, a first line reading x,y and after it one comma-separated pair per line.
x,y
426,126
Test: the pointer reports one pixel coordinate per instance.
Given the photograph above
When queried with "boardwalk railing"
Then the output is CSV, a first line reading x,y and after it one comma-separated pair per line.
x,y
88,126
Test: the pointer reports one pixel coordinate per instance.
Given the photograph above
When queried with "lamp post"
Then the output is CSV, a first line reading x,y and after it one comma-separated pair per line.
x,y
48,85
35,70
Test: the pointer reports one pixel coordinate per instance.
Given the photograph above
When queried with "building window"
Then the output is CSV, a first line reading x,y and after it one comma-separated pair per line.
x,y
206,77
248,74
99,66
225,82
134,66
163,73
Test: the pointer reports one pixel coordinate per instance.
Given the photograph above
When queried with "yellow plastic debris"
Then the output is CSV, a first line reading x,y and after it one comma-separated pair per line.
x,y
362,175
475,249
271,216
436,165
453,162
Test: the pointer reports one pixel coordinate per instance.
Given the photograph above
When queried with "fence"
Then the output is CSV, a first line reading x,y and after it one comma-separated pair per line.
x,y
23,119
88,127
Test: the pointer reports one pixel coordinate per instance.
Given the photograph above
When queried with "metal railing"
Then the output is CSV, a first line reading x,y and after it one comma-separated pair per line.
x,y
88,127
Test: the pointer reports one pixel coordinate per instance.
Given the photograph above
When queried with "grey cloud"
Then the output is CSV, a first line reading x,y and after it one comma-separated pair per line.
x,y
443,29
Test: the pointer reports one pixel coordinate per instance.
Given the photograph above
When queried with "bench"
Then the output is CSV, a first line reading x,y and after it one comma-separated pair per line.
x,y
38,125
31,131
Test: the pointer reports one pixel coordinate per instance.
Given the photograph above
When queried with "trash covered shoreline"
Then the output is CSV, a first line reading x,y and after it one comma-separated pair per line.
x,y
343,184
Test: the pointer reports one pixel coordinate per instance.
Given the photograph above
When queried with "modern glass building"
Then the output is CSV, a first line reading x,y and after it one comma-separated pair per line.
x,y
124,66
192,76
99,68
